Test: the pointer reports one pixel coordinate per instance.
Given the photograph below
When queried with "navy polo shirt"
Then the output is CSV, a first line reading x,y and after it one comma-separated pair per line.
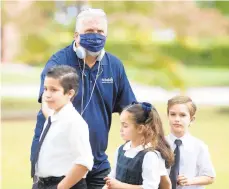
x,y
112,93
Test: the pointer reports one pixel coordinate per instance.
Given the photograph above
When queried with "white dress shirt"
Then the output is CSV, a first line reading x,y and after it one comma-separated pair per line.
x,y
194,158
153,166
66,144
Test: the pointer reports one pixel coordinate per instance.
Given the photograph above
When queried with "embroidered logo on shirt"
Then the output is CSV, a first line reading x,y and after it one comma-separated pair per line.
x,y
107,80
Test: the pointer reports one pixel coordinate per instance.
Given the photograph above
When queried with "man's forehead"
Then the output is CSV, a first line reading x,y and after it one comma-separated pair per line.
x,y
91,22
94,20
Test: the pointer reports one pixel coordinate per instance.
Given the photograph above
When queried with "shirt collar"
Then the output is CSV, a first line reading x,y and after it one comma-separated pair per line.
x,y
139,148
62,113
184,139
74,49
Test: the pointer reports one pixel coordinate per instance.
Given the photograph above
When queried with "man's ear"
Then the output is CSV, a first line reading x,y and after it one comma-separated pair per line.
x,y
76,34
77,38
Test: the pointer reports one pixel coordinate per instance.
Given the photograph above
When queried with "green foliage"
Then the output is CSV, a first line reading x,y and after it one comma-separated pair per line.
x,y
167,62
163,64
147,57
211,56
158,56
39,47
128,38
222,6
143,7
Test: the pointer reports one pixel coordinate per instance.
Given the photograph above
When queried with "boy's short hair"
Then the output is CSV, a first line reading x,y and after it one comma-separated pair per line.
x,y
182,100
67,76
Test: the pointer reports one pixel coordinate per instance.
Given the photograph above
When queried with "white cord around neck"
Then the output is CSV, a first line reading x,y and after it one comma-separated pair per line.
x,y
82,98
82,77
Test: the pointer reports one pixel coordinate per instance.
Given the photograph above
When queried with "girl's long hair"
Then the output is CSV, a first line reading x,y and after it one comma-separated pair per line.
x,y
153,130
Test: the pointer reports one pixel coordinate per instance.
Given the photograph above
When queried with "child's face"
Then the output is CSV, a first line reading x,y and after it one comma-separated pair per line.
x,y
128,130
179,119
54,94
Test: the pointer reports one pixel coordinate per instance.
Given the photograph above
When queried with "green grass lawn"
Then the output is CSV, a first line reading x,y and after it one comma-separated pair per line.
x,y
197,77
193,76
211,126
21,77
19,108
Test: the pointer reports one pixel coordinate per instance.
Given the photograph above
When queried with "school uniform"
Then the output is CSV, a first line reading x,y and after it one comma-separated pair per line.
x,y
112,92
65,145
194,158
138,166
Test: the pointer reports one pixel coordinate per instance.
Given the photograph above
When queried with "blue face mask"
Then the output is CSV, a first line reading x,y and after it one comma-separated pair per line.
x,y
92,41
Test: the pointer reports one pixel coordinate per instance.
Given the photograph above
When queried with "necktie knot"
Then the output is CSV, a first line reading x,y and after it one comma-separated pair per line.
x,y
178,142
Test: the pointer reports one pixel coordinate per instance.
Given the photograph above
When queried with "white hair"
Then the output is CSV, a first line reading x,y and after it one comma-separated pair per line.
x,y
90,13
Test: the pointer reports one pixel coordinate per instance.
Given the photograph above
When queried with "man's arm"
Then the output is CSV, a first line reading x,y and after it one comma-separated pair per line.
x,y
125,94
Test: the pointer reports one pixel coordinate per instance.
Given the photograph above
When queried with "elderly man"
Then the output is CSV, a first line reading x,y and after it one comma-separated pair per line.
x,y
104,88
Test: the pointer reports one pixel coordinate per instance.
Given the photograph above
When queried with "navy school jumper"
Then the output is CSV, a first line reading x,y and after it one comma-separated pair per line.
x,y
129,170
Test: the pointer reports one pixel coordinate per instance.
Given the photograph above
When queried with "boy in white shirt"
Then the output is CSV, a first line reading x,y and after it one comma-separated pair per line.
x,y
64,153
193,167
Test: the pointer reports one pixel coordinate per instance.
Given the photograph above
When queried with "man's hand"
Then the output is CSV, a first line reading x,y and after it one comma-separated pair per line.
x,y
45,109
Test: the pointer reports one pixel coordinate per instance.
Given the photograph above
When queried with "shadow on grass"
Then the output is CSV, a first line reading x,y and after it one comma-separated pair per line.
x,y
19,108
223,110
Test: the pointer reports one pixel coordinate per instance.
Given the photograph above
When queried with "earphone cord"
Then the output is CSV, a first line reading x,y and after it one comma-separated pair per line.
x,y
82,77
97,75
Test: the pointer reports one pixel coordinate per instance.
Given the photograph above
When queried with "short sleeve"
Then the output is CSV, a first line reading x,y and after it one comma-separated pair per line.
x,y
80,144
204,163
163,170
151,171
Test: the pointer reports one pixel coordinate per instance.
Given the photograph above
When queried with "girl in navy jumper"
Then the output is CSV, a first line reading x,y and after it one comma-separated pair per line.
x,y
138,163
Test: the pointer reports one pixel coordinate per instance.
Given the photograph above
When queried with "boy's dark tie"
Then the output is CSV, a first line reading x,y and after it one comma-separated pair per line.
x,y
175,168
34,160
